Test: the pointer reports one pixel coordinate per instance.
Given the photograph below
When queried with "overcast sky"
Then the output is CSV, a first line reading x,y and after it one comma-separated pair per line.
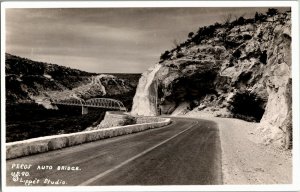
x,y
121,40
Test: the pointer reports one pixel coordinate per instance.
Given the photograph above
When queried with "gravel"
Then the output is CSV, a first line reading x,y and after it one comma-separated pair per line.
x,y
245,159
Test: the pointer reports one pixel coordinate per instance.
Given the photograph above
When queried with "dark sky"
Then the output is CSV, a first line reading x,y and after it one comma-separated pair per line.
x,y
124,40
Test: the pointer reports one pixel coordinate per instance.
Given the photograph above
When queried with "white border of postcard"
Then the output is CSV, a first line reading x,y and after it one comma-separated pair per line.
x,y
87,4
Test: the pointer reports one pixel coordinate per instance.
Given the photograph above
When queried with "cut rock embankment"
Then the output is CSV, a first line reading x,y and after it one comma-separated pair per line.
x,y
240,69
49,143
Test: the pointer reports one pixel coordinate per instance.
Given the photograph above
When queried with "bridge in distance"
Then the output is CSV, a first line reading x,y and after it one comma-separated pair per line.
x,y
105,103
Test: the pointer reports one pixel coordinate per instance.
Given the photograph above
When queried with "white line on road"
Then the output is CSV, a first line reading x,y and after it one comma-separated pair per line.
x,y
134,157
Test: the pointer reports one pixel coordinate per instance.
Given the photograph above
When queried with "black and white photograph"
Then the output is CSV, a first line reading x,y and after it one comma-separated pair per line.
x,y
174,95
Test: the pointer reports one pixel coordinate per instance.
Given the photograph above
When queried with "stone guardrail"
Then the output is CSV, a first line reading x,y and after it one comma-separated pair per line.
x,y
49,143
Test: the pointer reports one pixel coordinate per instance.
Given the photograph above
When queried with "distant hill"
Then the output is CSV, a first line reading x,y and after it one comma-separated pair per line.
x,y
32,81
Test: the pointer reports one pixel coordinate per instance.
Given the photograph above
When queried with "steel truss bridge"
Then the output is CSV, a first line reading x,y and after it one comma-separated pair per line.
x,y
105,103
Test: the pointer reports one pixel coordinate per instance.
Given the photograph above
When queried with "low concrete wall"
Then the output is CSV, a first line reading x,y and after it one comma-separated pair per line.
x,y
114,119
140,120
49,143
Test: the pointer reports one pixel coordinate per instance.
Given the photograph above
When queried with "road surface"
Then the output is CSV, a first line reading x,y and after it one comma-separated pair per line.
x,y
186,152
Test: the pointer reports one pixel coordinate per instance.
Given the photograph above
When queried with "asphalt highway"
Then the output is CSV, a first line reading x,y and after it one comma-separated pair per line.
x,y
186,152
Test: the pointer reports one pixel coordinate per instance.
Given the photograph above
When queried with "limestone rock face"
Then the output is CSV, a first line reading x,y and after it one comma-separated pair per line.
x,y
144,101
277,119
241,69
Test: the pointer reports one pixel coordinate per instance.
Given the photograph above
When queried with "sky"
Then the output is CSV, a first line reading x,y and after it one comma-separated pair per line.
x,y
106,40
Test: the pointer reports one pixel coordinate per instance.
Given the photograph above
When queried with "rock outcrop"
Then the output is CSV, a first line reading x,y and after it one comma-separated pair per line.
x,y
240,69
112,119
145,100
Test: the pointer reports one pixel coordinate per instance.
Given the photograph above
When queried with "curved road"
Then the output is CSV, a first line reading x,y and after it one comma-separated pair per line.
x,y
186,152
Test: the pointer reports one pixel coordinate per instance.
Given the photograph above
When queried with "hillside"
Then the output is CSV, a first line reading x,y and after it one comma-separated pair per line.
x,y
31,85
239,69
29,81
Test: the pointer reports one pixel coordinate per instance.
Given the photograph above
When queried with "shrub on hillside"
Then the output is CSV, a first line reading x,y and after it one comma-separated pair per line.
x,y
217,25
239,21
271,12
166,55
191,34
204,33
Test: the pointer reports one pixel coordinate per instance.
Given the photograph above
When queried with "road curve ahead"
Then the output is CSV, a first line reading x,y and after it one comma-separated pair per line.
x,y
186,152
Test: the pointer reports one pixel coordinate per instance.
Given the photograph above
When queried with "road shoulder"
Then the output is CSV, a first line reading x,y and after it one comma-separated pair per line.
x,y
245,160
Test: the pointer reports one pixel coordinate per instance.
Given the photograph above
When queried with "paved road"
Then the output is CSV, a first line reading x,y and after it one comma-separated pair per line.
x,y
184,153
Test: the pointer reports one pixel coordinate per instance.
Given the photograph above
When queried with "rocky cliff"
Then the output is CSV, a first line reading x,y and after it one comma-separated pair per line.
x,y
29,81
238,69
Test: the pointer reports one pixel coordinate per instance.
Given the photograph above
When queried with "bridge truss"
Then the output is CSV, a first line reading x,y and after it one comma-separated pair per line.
x,y
105,103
